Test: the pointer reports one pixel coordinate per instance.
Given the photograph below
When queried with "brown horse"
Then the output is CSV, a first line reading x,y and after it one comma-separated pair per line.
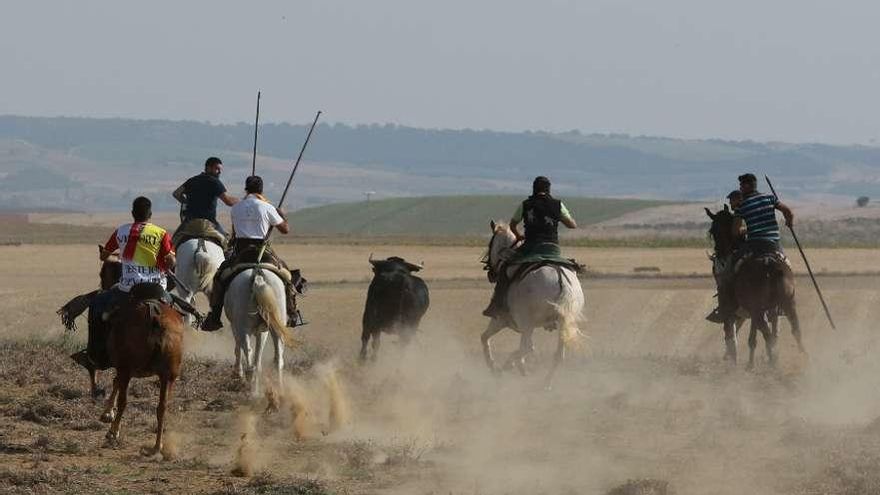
x,y
145,339
763,287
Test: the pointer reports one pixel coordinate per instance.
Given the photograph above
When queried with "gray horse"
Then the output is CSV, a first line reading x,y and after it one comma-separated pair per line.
x,y
255,306
549,296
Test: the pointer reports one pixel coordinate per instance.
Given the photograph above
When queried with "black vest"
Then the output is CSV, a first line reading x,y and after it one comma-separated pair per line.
x,y
541,216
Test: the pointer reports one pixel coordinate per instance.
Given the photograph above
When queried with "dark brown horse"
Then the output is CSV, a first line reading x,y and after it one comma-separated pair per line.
x,y
763,286
145,339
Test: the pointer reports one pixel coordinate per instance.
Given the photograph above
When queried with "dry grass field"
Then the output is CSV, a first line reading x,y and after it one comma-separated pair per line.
x,y
646,407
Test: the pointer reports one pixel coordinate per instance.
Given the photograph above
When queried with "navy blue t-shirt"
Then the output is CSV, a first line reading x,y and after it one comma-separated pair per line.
x,y
201,196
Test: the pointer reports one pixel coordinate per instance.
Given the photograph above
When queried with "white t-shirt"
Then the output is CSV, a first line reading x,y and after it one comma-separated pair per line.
x,y
251,218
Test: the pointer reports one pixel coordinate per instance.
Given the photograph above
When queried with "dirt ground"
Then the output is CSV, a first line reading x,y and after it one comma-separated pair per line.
x,y
647,406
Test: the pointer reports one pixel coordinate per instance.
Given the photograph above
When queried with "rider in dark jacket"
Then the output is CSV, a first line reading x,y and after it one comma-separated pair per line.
x,y
541,215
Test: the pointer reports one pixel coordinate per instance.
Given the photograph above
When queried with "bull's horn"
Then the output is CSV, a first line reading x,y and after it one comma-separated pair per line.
x,y
422,264
371,257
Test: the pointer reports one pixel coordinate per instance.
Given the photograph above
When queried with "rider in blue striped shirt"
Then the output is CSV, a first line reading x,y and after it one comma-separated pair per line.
x,y
756,216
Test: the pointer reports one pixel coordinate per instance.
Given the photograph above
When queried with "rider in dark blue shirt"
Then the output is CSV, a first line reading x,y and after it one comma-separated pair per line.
x,y
199,194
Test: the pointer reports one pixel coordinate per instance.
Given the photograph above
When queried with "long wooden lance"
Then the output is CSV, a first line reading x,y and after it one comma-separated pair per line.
x,y
256,130
807,263
290,179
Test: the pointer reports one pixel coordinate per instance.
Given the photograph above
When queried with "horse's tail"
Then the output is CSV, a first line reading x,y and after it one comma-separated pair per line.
x,y
204,270
568,309
267,308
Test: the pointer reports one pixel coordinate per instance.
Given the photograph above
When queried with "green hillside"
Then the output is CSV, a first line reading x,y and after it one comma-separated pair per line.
x,y
443,215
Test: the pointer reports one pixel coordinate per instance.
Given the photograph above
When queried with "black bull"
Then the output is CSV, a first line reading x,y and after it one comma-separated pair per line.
x,y
396,302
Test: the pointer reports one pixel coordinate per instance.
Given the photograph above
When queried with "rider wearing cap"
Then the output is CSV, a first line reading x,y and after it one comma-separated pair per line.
x,y
541,215
252,218
754,215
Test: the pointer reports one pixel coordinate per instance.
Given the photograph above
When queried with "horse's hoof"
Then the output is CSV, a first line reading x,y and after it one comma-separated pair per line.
x,y
108,417
149,451
111,440
750,367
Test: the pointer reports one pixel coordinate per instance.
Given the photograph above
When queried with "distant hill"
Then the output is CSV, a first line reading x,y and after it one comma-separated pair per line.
x,y
104,163
443,215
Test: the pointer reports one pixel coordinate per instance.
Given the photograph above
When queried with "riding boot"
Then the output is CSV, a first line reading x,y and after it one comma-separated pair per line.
x,y
726,305
96,348
498,304
294,316
212,322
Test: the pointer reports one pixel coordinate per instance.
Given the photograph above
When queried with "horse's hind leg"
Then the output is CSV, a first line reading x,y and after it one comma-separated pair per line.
x,y
365,341
769,341
166,385
518,358
790,310
753,341
730,329
377,340
485,338
279,360
257,365
120,388
558,358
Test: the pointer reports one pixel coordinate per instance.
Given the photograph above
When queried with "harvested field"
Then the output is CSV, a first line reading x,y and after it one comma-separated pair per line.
x,y
646,407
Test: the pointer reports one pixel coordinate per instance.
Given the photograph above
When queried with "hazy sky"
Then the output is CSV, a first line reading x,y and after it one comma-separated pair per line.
x,y
794,70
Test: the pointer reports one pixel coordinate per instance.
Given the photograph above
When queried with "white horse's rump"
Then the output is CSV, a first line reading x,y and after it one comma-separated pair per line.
x,y
548,297
197,262
255,305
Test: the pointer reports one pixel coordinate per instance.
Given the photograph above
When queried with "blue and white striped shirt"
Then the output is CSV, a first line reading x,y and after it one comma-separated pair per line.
x,y
759,213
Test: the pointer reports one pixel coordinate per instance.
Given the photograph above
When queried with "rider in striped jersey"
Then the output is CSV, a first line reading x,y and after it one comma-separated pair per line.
x,y
756,216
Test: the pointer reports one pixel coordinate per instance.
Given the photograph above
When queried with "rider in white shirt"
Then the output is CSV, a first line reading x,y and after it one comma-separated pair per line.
x,y
252,218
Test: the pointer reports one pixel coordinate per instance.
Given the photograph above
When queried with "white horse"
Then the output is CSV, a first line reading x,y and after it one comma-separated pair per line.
x,y
197,262
550,297
255,305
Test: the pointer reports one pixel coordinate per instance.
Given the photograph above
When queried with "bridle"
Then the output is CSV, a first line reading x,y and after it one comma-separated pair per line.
x,y
486,260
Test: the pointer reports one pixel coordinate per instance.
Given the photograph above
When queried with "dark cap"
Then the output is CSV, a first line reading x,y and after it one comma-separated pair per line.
x,y
254,184
747,178
736,193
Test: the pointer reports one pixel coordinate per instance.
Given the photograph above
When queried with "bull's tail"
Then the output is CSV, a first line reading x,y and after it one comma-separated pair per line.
x,y
267,308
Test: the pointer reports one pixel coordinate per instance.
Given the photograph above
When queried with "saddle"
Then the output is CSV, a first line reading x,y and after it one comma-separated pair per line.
x,y
523,269
153,296
766,258
198,228
289,277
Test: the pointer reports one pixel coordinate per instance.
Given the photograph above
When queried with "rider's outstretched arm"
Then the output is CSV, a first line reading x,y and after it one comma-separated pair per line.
x,y
786,212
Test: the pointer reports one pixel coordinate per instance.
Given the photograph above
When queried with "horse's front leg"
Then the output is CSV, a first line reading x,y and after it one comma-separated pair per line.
x,y
790,310
518,358
122,379
494,327
109,413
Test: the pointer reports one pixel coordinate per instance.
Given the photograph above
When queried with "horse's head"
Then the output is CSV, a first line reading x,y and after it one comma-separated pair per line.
x,y
500,246
111,272
721,230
